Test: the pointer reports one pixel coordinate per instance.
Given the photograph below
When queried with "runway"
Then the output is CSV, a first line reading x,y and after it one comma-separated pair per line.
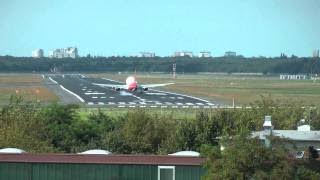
x,y
85,91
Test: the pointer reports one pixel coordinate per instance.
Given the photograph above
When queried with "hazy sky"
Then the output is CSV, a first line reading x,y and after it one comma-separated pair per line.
x,y
126,27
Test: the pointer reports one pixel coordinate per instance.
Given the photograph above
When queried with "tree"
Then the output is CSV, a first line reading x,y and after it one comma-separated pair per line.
x,y
247,158
22,127
59,120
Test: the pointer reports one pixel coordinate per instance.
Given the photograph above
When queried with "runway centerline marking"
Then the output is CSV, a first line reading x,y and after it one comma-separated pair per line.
x,y
93,93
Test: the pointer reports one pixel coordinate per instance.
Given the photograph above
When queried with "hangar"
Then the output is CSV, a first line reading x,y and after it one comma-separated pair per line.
x,y
99,166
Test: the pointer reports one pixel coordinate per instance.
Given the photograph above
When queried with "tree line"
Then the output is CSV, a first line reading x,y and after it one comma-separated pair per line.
x,y
240,64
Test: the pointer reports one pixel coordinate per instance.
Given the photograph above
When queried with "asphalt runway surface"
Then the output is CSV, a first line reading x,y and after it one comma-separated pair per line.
x,y
85,91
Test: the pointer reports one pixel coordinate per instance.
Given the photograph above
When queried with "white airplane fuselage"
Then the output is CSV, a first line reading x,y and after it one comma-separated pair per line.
x,y
131,83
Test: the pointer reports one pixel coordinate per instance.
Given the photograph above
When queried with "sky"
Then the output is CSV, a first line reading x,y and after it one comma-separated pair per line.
x,y
127,27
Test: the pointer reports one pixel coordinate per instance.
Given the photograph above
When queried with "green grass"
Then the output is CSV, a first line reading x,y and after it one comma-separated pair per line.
x,y
28,86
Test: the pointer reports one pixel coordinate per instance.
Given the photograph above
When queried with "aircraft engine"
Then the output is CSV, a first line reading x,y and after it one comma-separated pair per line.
x,y
145,89
116,88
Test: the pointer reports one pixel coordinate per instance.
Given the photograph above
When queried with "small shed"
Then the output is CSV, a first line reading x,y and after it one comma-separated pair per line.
x,y
97,166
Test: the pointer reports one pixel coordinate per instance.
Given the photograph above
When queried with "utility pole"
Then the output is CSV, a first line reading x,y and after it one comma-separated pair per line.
x,y
174,68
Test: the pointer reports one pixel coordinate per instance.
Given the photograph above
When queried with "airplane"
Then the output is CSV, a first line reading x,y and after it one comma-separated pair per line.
x,y
132,85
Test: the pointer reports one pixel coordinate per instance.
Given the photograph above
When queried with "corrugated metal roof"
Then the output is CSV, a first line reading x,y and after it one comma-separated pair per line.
x,y
102,159
291,134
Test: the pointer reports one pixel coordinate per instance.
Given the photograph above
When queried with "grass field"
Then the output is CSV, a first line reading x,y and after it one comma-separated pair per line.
x,y
27,85
244,89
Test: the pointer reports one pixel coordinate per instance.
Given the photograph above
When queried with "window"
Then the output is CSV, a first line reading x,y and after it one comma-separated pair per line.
x,y
166,173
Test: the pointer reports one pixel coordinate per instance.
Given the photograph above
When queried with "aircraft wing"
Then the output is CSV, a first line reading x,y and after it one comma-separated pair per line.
x,y
115,86
155,85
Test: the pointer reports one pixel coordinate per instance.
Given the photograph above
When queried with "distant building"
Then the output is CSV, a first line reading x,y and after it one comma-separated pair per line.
x,y
147,54
38,53
293,77
230,54
69,52
183,54
205,54
316,53
303,137
283,56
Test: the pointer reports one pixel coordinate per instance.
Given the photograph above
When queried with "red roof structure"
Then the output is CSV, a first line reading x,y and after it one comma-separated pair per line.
x,y
102,159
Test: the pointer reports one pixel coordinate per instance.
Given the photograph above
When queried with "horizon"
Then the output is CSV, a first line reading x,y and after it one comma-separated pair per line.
x,y
124,28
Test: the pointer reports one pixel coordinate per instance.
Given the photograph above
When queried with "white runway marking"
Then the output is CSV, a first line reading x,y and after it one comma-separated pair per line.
x,y
178,103
138,97
195,106
89,91
94,97
164,106
103,97
142,106
189,104
84,89
90,103
142,102
112,80
77,96
121,103
111,97
124,93
100,103
201,104
132,106
180,97
111,103
93,93
185,106
160,94
172,97
158,103
169,103
210,104
132,103
53,80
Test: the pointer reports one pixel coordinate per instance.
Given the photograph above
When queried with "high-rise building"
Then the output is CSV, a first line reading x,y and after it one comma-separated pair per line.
x,y
205,54
316,53
147,54
230,54
38,53
69,52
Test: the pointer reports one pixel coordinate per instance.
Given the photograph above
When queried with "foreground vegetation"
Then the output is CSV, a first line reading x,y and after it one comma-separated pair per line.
x,y
65,128
61,128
